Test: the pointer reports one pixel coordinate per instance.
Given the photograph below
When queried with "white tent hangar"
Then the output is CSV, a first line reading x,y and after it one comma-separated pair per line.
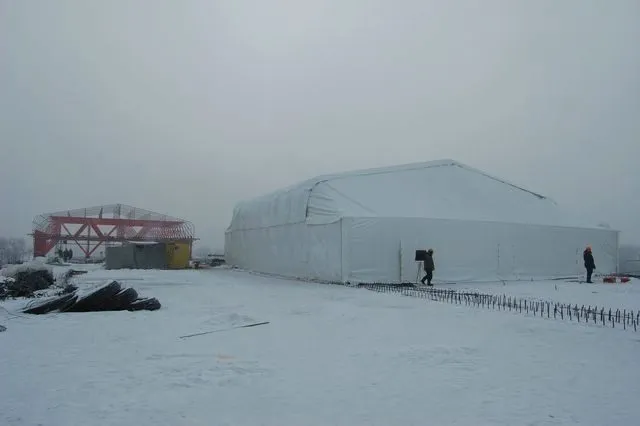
x,y
365,226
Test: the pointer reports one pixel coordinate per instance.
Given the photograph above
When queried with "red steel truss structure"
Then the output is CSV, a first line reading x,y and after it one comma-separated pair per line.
x,y
93,227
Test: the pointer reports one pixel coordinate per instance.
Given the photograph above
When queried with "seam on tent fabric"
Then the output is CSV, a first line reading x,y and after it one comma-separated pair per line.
x,y
471,169
306,207
418,166
341,250
487,221
350,199
267,227
281,225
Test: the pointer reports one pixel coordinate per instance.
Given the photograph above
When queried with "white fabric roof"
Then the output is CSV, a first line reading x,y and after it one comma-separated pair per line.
x,y
442,189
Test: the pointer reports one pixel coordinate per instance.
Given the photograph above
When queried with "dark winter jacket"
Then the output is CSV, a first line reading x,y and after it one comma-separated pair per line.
x,y
428,263
589,263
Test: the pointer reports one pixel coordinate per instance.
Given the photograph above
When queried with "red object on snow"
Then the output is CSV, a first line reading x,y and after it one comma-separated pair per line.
x,y
625,279
609,280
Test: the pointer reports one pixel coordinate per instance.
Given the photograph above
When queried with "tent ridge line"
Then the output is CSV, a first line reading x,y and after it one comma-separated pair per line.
x,y
386,170
480,172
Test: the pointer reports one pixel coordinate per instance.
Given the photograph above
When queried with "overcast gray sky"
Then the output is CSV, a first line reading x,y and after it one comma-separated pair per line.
x,y
186,107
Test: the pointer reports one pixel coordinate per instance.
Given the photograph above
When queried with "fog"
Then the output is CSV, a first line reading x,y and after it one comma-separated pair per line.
x,y
187,107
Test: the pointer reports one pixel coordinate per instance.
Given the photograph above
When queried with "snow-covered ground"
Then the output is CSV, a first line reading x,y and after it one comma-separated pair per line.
x,y
330,355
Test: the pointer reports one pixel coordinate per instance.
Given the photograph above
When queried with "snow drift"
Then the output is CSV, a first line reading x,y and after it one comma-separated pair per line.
x,y
35,265
25,279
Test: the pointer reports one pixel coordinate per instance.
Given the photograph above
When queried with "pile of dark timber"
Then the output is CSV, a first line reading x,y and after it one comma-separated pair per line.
x,y
109,297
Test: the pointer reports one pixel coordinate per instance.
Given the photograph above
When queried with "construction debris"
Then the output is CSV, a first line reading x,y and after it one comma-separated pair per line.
x,y
29,279
255,324
59,303
25,280
108,297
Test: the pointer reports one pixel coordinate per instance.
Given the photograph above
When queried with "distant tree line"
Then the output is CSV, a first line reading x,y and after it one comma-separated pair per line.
x,y
12,250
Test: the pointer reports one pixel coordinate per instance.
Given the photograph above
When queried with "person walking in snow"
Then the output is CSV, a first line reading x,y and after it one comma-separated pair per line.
x,y
429,267
589,262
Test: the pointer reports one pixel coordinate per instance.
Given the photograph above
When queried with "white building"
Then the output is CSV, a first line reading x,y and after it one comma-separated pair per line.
x,y
629,259
365,226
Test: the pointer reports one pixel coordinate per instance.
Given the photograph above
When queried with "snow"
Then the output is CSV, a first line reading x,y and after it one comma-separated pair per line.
x,y
330,355
90,288
4,279
34,265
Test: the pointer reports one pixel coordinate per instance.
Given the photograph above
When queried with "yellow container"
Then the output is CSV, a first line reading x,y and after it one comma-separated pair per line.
x,y
178,255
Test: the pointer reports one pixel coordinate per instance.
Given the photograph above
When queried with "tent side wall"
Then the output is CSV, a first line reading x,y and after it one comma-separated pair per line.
x,y
296,250
382,249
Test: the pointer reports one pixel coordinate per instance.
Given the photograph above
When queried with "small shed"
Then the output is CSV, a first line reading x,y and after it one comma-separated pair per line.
x,y
153,255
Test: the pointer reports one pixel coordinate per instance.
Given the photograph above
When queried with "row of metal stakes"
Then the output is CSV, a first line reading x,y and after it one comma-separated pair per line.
x,y
587,314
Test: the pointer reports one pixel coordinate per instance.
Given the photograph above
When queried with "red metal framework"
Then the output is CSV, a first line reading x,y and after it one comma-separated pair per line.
x,y
92,227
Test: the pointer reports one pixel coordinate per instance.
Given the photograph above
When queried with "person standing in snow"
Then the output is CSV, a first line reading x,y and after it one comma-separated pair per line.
x,y
589,262
429,267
